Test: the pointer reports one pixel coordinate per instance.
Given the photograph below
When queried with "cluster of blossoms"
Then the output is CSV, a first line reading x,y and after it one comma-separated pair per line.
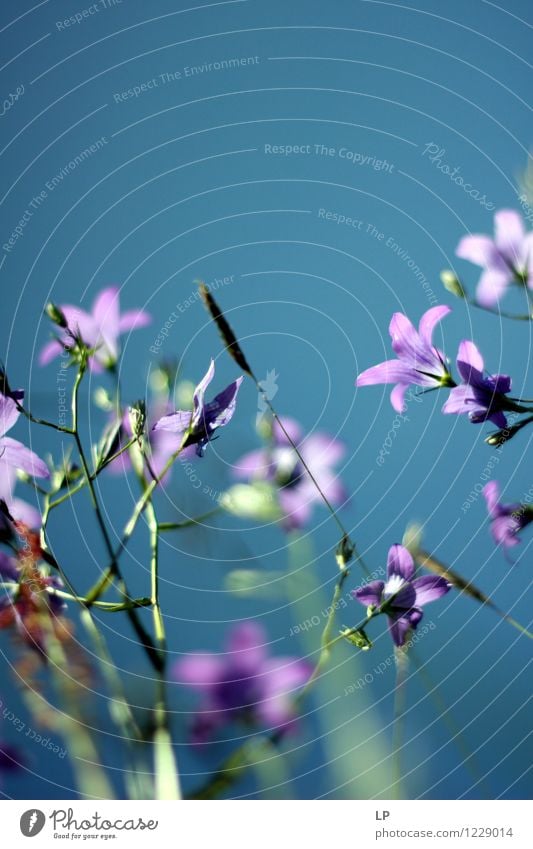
x,y
244,684
480,396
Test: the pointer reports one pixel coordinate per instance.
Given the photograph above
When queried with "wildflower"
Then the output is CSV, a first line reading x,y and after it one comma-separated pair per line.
x,y
507,520
479,397
401,597
99,329
200,424
281,466
419,361
505,259
243,684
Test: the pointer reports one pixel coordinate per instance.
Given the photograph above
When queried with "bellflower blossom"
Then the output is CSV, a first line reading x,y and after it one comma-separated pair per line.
x,y
99,329
507,520
402,596
505,259
419,361
281,466
13,454
243,684
202,422
481,398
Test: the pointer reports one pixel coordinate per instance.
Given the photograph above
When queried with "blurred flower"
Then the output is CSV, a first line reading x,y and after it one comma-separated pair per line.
x,y
507,520
505,259
161,443
479,397
243,684
13,454
99,330
401,597
281,466
419,362
204,419
24,592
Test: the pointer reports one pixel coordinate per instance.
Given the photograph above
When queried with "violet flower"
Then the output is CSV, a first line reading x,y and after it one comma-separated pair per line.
x,y
419,361
401,597
204,420
479,397
99,329
281,466
242,684
505,259
507,520
13,454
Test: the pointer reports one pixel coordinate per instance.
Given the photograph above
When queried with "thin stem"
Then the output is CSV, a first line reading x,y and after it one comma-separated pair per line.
x,y
188,523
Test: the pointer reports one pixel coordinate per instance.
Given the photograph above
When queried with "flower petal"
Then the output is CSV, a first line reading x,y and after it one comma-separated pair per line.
x,y
8,414
220,410
199,392
177,422
509,235
397,397
429,321
50,351
481,250
370,594
470,363
398,627
430,588
491,493
292,428
492,286
16,454
247,647
133,320
400,562
391,371
198,670
459,400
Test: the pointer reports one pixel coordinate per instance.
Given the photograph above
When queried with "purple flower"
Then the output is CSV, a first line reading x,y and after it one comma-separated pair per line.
x,y
243,684
202,422
505,259
507,520
99,329
13,454
419,361
401,597
479,397
281,466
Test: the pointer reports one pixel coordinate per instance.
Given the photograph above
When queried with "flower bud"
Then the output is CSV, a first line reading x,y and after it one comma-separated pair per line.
x,y
451,282
137,417
56,315
357,638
